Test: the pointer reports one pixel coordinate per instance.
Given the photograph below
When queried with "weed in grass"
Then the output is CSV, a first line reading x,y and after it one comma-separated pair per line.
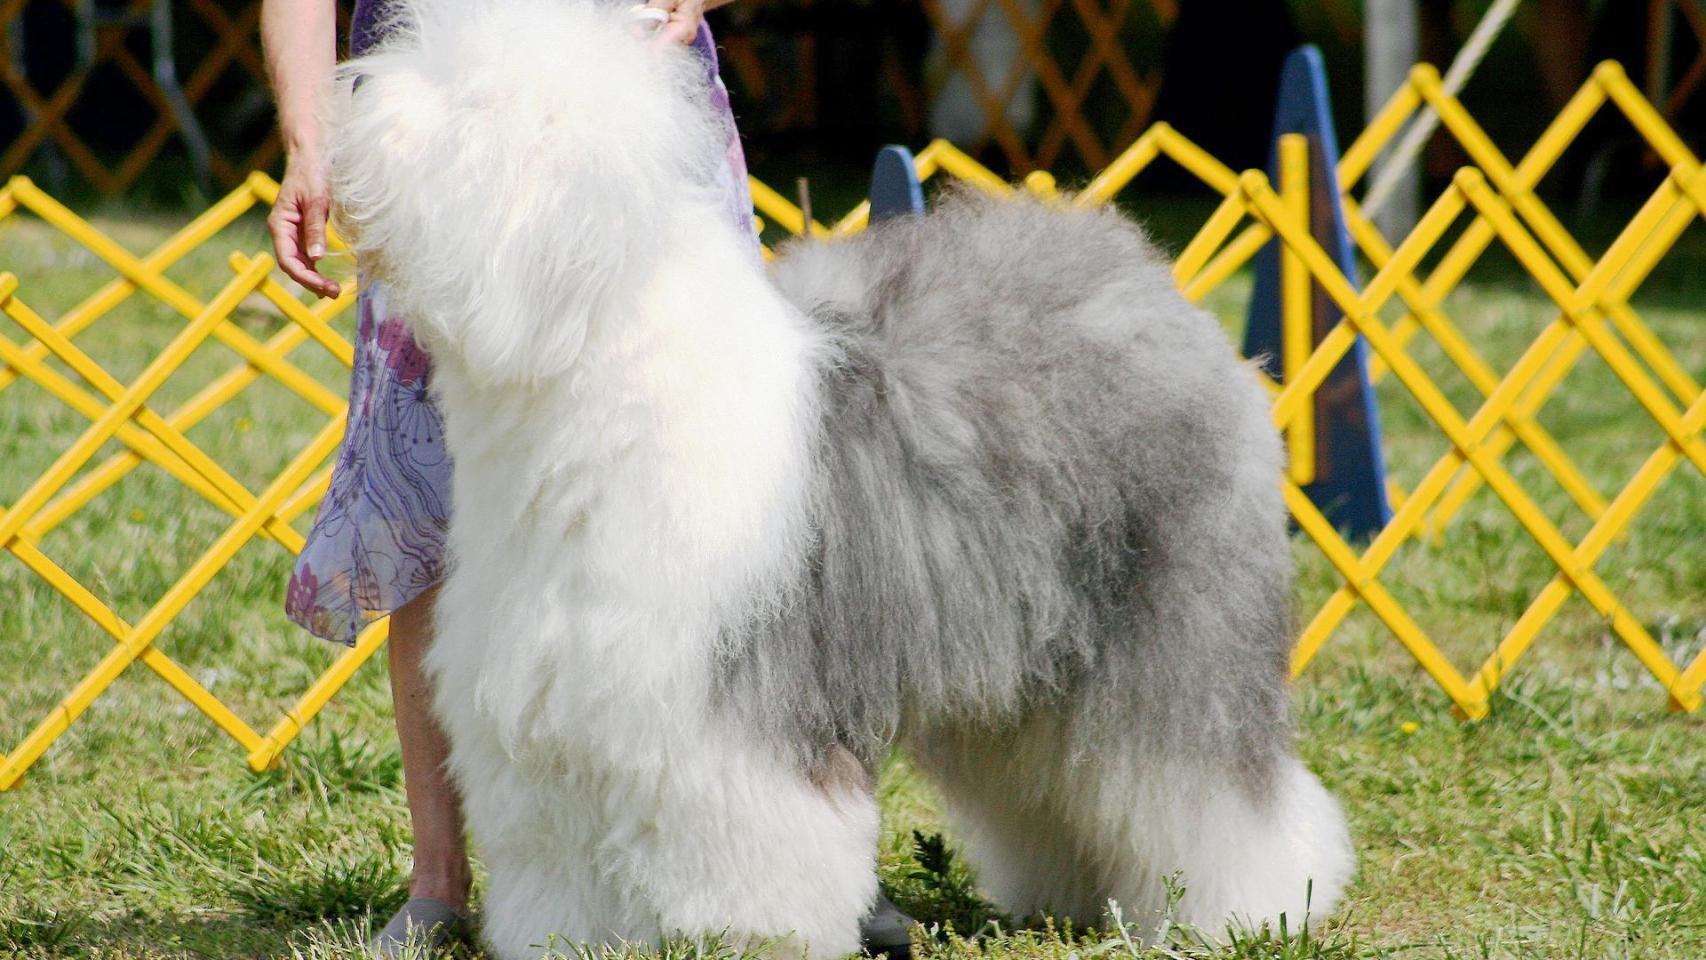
x,y
26,925
937,887
30,926
317,888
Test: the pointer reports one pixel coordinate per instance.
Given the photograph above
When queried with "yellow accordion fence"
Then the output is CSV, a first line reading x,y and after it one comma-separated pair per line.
x,y
1591,296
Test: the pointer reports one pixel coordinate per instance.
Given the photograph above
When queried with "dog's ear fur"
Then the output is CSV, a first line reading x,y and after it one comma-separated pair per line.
x,y
504,167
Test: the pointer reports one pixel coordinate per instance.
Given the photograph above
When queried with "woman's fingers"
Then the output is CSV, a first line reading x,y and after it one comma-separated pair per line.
x,y
289,245
298,227
282,224
683,24
314,226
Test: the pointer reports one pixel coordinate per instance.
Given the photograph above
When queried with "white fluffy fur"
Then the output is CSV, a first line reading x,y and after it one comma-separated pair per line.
x,y
632,406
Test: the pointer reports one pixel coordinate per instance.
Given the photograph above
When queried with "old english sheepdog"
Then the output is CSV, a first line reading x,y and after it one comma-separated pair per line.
x,y
979,485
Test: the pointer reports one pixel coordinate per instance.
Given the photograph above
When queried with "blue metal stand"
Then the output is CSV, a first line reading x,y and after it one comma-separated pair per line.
x,y
895,189
1350,471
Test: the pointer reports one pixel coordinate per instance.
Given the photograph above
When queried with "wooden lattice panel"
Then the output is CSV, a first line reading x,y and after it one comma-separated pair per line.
x,y
1067,82
227,52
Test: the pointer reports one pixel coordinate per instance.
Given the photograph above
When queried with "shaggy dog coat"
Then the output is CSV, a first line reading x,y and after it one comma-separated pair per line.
x,y
980,484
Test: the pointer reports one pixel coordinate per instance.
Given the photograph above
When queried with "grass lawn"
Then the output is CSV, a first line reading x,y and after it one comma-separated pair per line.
x,y
1570,823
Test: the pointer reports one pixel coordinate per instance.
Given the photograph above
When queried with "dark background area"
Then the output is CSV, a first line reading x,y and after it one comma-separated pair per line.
x,y
818,85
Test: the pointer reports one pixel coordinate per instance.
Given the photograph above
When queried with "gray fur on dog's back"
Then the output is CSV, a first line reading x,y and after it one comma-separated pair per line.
x,y
1045,479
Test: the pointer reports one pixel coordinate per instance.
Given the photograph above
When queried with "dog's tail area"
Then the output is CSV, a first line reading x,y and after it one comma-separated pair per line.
x,y
500,166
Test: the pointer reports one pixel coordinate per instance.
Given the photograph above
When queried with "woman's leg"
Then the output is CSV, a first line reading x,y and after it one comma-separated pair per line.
x,y
441,869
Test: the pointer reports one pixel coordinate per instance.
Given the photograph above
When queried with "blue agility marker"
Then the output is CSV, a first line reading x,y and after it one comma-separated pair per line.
x,y
895,189
1350,471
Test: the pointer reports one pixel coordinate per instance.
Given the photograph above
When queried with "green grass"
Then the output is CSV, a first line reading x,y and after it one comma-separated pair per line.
x,y
1570,823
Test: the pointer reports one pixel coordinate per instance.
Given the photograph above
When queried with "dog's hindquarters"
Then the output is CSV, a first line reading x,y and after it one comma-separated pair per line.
x,y
1165,765
1169,758
1053,515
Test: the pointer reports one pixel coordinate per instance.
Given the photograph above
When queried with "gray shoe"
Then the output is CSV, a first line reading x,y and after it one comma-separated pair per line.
x,y
887,932
423,923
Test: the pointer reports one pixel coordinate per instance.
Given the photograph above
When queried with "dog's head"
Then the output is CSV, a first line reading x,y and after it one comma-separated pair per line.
x,y
504,167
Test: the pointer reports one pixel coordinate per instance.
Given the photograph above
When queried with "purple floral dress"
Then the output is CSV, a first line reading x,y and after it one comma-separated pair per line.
x,y
378,540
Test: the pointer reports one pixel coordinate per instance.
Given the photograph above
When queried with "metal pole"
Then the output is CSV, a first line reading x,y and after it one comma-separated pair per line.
x,y
1390,48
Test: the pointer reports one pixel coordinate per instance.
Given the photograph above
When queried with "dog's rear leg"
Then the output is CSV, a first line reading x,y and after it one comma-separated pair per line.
x,y
1053,829
1246,850
1003,793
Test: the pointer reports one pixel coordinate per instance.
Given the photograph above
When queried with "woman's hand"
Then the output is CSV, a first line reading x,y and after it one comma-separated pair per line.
x,y
298,222
683,23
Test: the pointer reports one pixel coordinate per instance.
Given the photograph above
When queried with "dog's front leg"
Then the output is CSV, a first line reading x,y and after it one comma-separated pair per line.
x,y
759,848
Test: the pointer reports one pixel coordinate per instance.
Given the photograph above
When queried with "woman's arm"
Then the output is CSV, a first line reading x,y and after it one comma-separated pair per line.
x,y
300,40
